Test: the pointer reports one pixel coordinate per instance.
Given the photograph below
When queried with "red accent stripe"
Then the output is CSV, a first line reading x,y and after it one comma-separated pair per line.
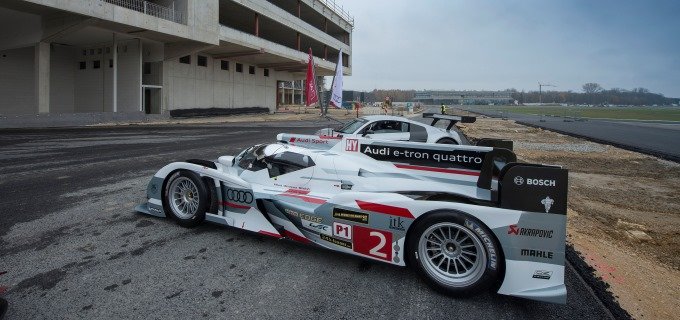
x,y
235,205
295,237
385,209
304,198
297,191
271,234
434,169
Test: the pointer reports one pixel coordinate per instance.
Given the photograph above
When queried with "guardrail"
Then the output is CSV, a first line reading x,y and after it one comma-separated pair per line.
x,y
339,10
152,9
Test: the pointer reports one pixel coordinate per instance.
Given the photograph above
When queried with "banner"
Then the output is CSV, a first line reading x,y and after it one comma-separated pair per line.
x,y
336,88
311,94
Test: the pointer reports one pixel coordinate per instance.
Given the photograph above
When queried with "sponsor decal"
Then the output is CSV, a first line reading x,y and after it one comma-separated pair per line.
x,y
397,223
154,188
536,253
352,145
156,210
372,242
535,182
303,216
239,196
307,140
519,180
541,182
493,259
529,232
465,158
350,215
342,230
542,274
547,203
336,242
320,228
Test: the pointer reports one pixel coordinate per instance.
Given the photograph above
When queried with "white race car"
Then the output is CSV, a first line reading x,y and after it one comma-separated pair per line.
x,y
466,218
402,129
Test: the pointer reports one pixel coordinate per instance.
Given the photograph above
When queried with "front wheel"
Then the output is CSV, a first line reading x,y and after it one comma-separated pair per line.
x,y
187,198
454,253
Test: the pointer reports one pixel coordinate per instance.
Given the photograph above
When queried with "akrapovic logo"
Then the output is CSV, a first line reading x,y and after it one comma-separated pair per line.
x,y
535,182
529,232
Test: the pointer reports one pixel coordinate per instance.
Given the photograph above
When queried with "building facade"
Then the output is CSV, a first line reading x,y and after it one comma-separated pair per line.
x,y
157,56
463,97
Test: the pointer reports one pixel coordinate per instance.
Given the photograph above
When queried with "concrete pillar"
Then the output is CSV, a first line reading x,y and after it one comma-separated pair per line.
x,y
114,52
42,76
257,24
298,41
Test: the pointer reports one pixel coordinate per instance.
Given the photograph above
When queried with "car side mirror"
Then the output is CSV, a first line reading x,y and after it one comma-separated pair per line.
x,y
367,132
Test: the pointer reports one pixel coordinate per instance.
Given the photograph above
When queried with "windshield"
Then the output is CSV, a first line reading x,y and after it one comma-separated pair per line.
x,y
353,126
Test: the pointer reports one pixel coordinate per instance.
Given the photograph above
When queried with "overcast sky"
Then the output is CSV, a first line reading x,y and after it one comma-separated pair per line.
x,y
473,44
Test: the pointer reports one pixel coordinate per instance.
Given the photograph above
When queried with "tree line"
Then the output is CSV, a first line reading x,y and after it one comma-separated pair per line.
x,y
592,94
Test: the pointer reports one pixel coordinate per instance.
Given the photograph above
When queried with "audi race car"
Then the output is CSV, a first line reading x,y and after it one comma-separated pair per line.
x,y
401,129
466,218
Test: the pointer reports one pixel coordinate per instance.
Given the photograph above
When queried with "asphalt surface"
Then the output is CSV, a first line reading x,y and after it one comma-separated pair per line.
x,y
658,138
72,246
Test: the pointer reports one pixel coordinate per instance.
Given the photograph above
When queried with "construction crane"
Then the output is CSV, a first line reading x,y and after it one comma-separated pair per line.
x,y
540,91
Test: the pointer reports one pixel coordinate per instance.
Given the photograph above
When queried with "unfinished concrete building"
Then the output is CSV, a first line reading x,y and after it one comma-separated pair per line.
x,y
61,59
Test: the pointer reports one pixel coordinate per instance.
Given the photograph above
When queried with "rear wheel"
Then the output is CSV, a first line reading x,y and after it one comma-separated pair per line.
x,y
187,198
454,253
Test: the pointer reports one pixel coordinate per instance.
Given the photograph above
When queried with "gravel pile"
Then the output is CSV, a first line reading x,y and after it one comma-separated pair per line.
x,y
573,147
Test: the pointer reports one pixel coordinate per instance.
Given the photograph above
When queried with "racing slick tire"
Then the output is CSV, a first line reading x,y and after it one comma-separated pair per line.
x,y
447,141
187,198
454,253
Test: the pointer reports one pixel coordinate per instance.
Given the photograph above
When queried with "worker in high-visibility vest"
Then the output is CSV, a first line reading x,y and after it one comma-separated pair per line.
x,y
443,108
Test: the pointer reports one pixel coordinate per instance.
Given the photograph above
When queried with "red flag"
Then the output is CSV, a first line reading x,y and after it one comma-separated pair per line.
x,y
310,89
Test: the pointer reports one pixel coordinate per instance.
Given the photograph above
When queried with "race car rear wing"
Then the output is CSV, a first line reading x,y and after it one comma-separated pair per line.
x,y
452,119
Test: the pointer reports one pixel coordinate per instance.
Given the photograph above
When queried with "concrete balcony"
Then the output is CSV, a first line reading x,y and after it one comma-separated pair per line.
x,y
152,9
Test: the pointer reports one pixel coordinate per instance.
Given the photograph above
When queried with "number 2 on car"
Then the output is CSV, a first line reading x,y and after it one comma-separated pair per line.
x,y
372,242
342,230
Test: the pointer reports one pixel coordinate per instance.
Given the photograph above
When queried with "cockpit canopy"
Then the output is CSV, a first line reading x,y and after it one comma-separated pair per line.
x,y
276,158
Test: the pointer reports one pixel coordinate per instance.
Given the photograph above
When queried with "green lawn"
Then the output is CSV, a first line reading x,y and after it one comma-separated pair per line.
x,y
639,113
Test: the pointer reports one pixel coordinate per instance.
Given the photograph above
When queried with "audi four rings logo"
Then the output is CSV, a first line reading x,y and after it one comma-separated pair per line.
x,y
519,180
240,196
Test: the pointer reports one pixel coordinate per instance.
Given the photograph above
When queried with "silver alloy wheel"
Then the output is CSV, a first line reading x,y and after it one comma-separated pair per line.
x,y
452,254
184,197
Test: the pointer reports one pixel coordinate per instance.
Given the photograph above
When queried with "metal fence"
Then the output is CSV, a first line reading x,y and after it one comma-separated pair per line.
x,y
339,10
152,9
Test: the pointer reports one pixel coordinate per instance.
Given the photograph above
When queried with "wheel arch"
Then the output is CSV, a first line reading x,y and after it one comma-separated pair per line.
x,y
208,181
420,218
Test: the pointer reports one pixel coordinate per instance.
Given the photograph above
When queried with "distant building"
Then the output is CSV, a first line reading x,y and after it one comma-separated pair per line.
x,y
350,95
464,97
157,56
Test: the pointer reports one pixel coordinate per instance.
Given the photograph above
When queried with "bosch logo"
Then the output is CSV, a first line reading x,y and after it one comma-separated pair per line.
x,y
519,180
240,196
534,182
541,182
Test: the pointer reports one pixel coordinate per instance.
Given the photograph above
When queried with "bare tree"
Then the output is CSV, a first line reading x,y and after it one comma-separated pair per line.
x,y
592,87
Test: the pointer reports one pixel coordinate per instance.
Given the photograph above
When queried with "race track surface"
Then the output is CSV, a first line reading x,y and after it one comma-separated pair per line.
x,y
659,138
72,246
